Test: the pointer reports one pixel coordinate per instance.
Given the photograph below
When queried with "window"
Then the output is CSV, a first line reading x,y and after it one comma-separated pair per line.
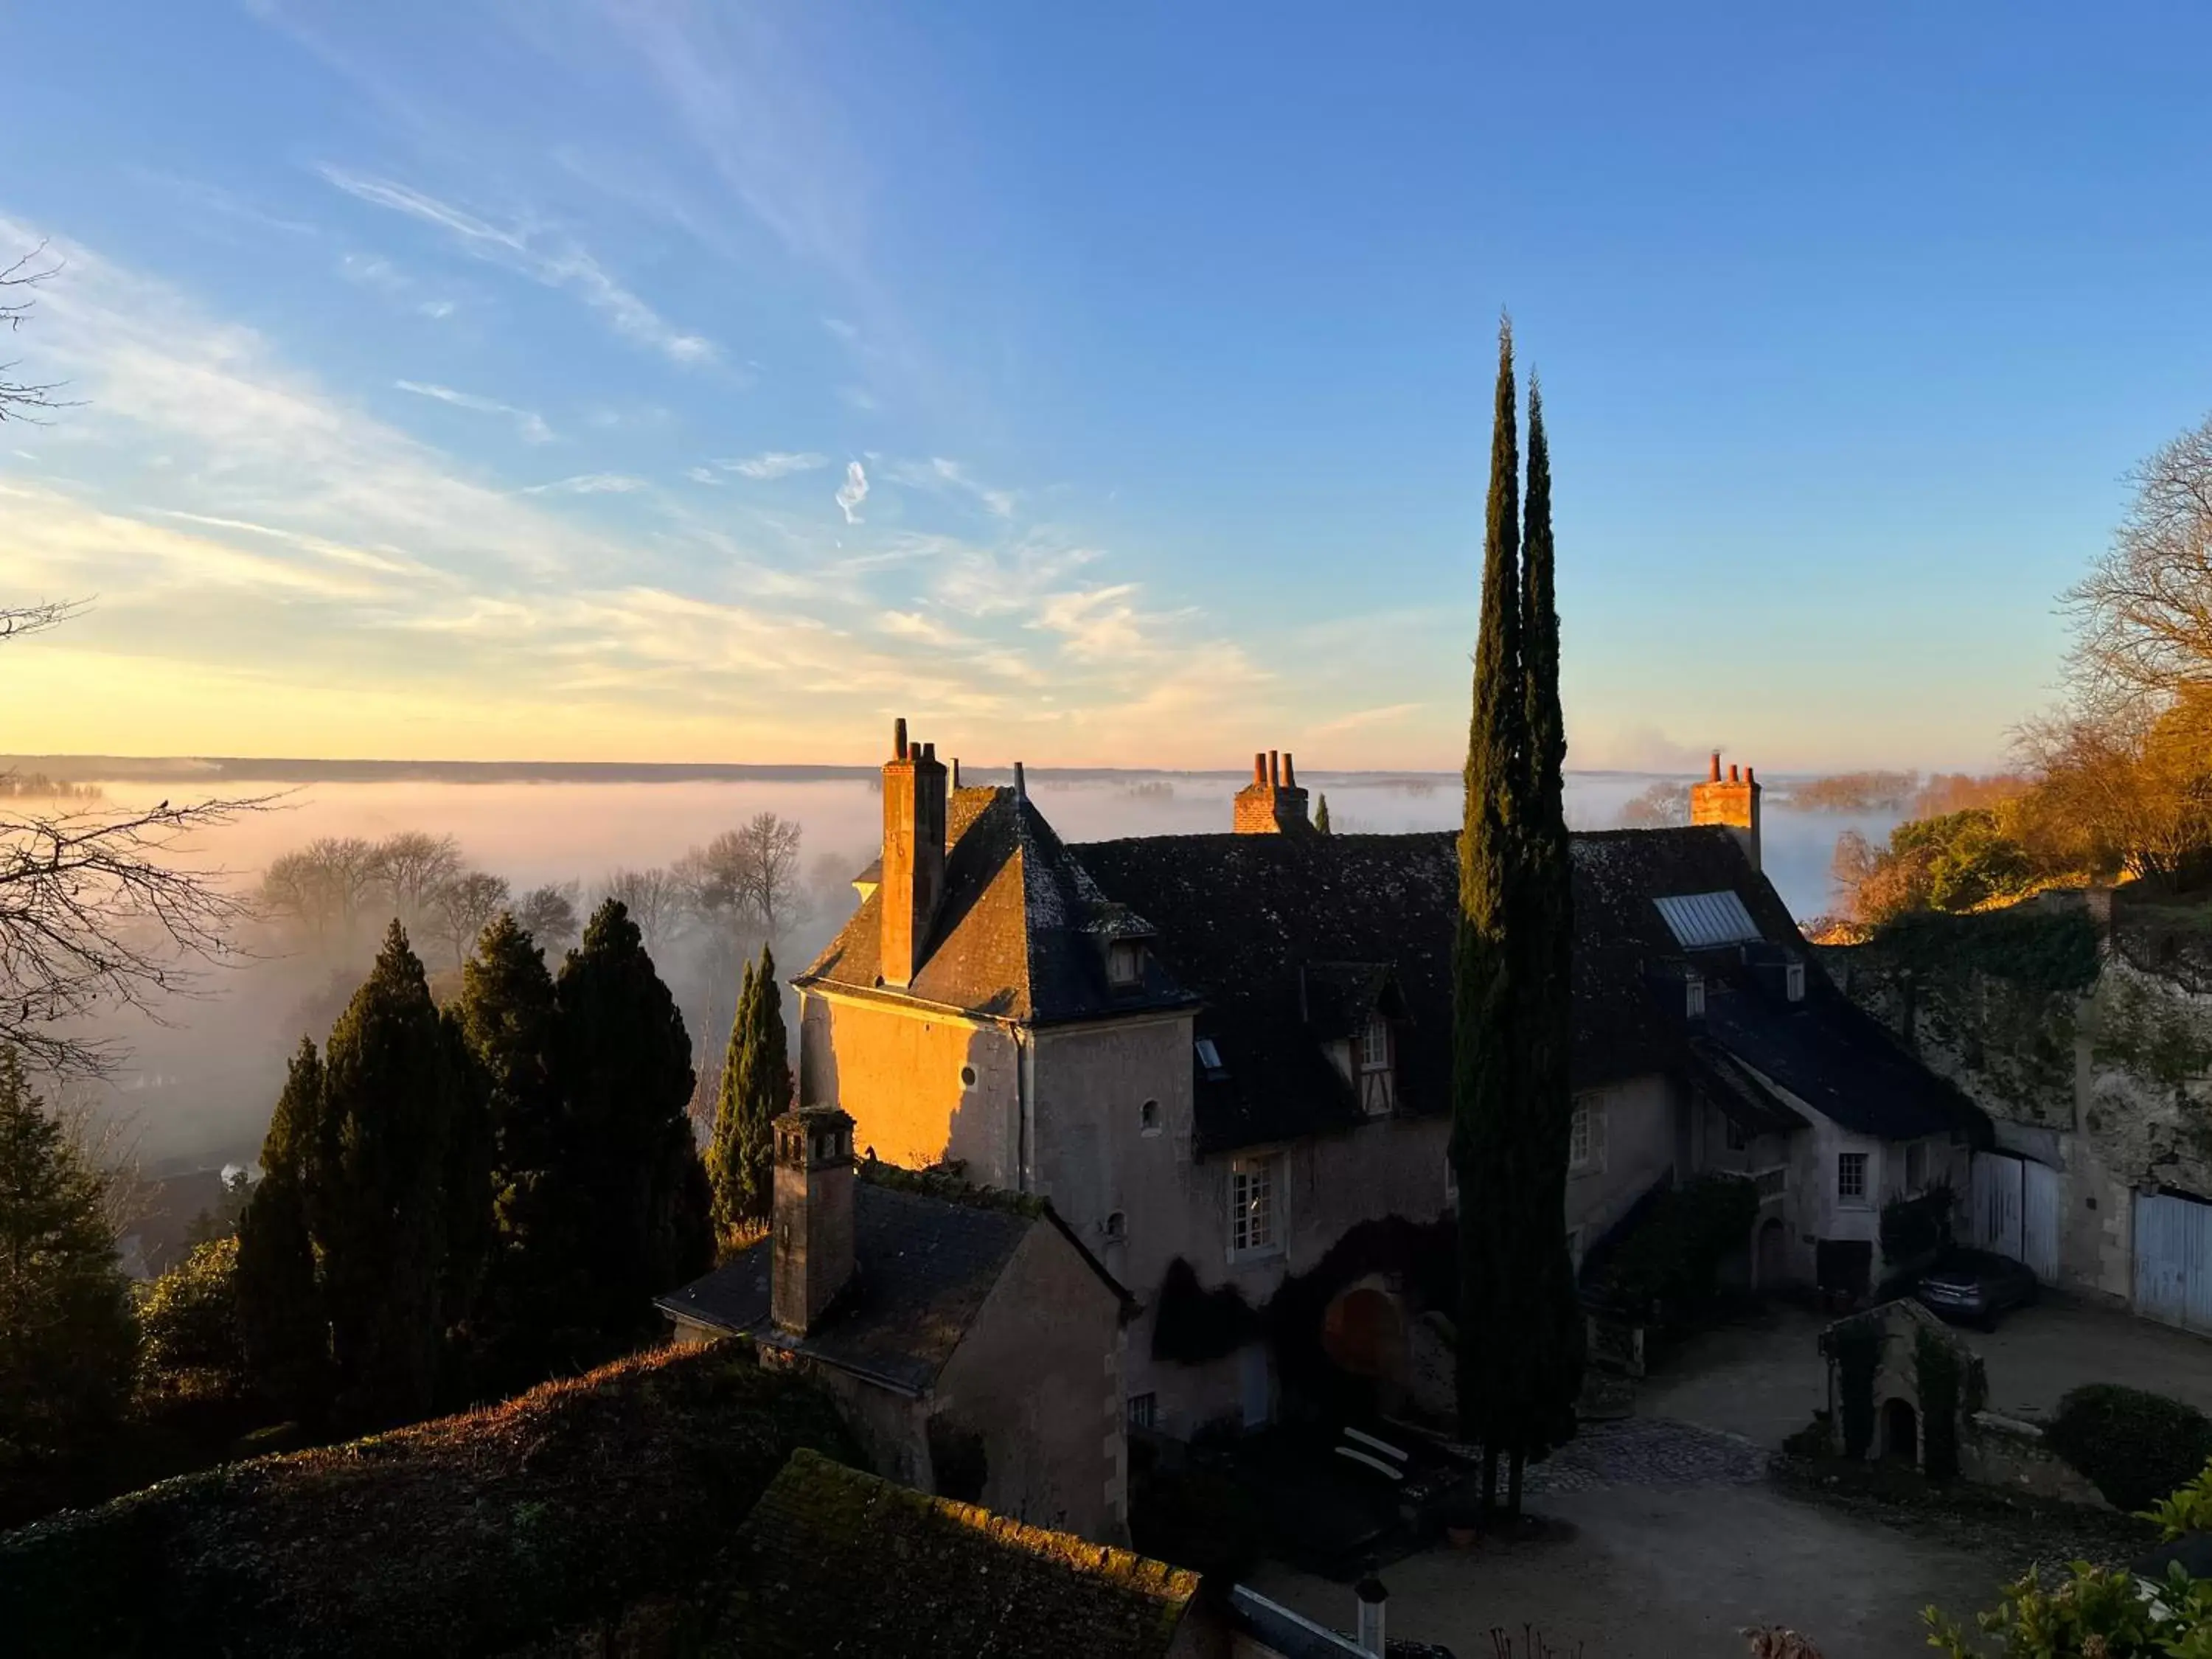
x,y
1792,982
1851,1177
1253,1219
1209,1058
1738,1136
1693,996
1125,964
967,1076
1586,1134
1375,1045
1148,1118
1117,1226
1144,1411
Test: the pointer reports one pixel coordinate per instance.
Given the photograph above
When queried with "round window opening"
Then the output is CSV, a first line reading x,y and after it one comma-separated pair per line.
x,y
967,1076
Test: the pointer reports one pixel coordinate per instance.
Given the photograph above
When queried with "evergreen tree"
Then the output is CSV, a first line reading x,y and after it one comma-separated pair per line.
x,y
505,1014
755,1090
1548,1319
68,1340
1485,1078
624,1063
1320,816
396,1119
282,1323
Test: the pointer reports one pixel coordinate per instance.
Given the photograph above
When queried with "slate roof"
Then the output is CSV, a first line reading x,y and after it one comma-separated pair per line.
x,y
922,1267
1019,934
834,1561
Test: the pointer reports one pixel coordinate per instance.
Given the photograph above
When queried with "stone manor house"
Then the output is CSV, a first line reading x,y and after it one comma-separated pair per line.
x,y
1230,1049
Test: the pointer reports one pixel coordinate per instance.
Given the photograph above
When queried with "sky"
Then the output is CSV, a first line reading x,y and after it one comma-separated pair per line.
x,y
626,380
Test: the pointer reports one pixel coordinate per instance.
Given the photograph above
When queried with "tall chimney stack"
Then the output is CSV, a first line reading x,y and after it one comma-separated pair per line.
x,y
1271,804
913,855
812,1242
1733,803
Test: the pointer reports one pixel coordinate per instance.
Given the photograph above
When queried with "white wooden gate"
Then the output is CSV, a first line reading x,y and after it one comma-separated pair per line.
x,y
2173,1260
2014,1211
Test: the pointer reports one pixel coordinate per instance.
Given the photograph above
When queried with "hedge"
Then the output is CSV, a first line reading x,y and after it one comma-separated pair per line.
x,y
478,1533
2134,1446
1939,1376
1856,1346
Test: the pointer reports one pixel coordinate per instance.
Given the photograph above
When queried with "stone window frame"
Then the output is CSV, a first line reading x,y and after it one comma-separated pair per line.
x,y
1855,1193
1149,1119
1586,1134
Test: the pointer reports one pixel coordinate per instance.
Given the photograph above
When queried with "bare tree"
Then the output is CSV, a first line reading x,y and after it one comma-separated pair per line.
x,y
2144,611
24,400
654,899
749,876
408,868
97,907
548,915
463,906
323,887
1660,805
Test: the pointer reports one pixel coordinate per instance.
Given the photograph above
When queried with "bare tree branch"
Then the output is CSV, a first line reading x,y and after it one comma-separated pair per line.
x,y
15,621
19,398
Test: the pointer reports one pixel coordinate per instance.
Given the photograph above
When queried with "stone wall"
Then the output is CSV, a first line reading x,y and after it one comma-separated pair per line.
x,y
2002,1451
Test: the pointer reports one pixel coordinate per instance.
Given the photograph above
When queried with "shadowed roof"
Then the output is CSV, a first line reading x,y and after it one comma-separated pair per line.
x,y
1020,933
834,1561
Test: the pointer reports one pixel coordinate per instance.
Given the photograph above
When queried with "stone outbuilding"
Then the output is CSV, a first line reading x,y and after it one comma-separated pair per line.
x,y
1898,1329
974,1342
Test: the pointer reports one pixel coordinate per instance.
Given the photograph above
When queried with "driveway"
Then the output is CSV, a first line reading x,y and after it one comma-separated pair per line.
x,y
1677,1544
1763,1381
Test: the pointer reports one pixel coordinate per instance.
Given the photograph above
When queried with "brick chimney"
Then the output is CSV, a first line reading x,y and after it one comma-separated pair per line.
x,y
1271,804
913,855
1733,801
813,1242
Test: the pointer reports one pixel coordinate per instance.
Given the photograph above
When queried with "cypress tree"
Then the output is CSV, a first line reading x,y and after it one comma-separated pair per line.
x,y
395,1115
624,1063
725,1170
1485,1045
505,1014
1548,1316
763,1091
282,1323
1320,816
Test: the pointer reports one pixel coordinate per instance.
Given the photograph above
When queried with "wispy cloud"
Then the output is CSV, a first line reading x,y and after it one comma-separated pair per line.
x,y
778,464
938,474
545,257
848,332
852,491
529,425
589,483
214,200
1365,717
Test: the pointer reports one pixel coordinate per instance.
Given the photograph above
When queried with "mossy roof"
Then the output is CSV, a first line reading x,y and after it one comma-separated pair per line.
x,y
471,1534
834,1561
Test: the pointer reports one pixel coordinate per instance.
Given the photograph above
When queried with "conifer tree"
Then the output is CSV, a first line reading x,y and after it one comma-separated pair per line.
x,y
1548,1315
1320,816
505,1014
395,1114
755,1090
282,1323
68,1341
624,1063
1486,1079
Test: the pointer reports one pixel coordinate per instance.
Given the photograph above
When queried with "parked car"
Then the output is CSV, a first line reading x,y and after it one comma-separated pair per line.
x,y
1975,1286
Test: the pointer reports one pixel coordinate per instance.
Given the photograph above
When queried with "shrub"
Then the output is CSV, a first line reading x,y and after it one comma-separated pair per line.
x,y
1816,1439
1938,1374
188,1329
2188,1510
1856,1346
1674,1255
2135,1447
2094,1613
1197,1518
1913,1229
1194,1324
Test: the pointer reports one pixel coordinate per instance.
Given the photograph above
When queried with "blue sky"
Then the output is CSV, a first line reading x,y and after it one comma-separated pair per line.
x,y
504,379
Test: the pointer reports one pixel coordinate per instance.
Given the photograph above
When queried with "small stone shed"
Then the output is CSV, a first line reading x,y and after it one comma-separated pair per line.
x,y
1898,1329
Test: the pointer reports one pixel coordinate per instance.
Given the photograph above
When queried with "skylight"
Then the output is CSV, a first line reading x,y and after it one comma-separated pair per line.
x,y
1210,1058
1705,922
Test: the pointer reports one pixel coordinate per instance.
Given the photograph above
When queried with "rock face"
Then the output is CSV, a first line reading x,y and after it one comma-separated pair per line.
x,y
2083,1028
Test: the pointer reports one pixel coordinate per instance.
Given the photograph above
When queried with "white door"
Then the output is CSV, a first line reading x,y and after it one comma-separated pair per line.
x,y
1997,1183
2173,1260
2039,1227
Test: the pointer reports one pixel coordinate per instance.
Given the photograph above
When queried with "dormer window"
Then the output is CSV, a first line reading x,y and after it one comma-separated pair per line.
x,y
1792,982
1125,964
1693,996
1375,1045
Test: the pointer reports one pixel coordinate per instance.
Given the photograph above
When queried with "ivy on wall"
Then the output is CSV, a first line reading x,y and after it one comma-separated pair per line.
x,y
1856,1346
1938,1376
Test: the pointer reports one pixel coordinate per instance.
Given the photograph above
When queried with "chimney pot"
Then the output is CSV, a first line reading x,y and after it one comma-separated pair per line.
x,y
956,771
1290,771
929,751
1713,777
1260,766
1274,769
1732,773
1021,783
1749,776
898,738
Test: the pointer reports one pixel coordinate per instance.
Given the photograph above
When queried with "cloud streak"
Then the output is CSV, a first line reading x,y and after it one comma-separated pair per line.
x,y
778,464
852,491
552,261
529,425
